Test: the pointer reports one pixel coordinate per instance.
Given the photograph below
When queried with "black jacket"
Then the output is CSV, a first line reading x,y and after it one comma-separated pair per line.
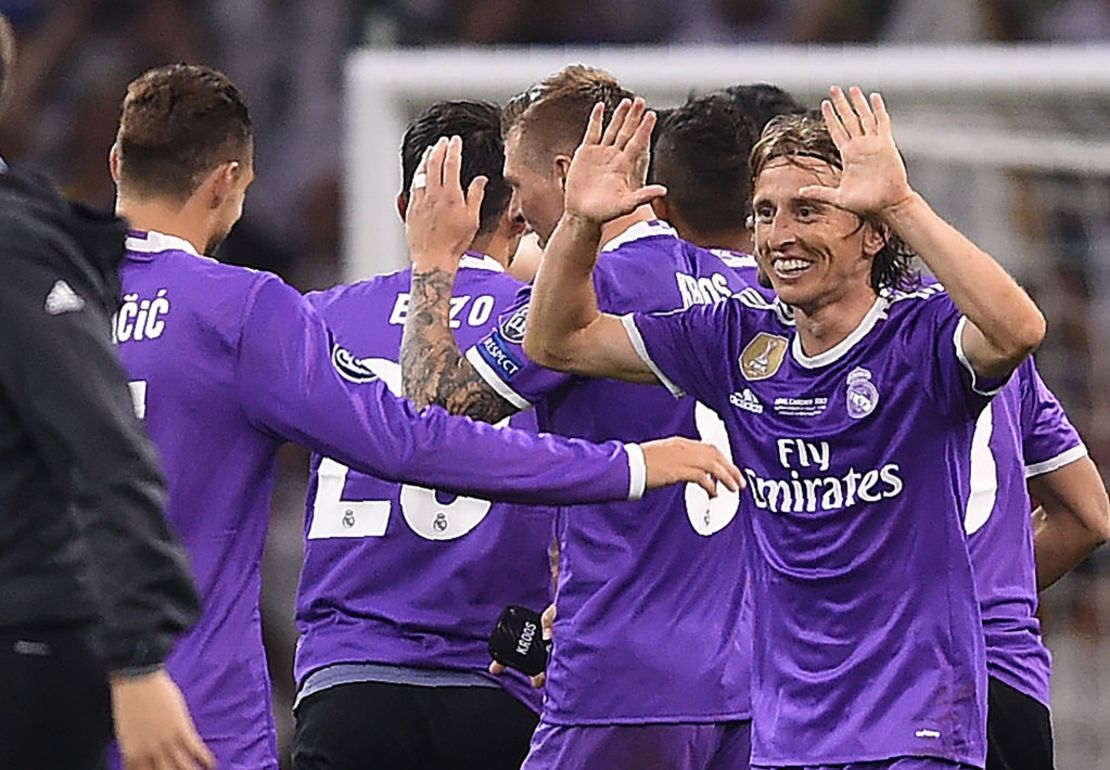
x,y
83,537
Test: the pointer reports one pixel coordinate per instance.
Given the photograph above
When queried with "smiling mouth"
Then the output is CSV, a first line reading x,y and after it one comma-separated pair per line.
x,y
790,267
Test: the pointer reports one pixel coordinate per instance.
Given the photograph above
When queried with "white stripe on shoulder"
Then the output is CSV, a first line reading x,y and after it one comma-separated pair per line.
x,y
751,297
638,345
486,372
958,341
1057,462
925,292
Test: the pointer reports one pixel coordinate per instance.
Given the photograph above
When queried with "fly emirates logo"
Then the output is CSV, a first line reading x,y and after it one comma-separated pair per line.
x,y
805,487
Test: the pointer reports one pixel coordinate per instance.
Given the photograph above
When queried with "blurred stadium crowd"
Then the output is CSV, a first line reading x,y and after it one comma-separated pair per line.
x,y
286,55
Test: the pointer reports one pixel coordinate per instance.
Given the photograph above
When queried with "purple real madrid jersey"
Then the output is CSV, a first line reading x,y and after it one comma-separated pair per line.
x,y
867,638
227,364
1023,433
650,594
463,559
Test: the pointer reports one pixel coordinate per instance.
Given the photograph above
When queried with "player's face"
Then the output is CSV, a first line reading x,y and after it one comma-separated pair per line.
x,y
813,253
537,188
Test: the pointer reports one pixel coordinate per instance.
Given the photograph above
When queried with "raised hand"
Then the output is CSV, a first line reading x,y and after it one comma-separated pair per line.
x,y
605,178
441,222
677,460
873,180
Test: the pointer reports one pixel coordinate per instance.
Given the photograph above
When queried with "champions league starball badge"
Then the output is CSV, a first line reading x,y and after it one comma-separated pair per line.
x,y
863,396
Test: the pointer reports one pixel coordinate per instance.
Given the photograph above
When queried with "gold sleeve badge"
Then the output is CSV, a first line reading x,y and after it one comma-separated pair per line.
x,y
763,356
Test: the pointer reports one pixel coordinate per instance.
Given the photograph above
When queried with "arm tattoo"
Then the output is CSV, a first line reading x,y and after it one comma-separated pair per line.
x,y
433,370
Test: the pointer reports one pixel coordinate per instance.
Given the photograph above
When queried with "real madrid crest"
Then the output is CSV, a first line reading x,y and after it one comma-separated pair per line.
x,y
862,395
763,356
513,327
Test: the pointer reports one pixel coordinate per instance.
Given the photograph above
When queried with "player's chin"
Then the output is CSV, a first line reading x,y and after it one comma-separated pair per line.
x,y
797,293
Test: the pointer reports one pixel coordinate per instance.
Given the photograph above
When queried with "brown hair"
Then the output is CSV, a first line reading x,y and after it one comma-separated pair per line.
x,y
179,122
806,136
558,108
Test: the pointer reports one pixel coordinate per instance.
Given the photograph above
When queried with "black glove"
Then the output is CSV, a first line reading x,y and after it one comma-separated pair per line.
x,y
517,641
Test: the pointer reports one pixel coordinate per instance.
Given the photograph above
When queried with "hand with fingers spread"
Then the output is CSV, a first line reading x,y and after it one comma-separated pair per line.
x,y
677,460
873,180
441,221
153,725
605,179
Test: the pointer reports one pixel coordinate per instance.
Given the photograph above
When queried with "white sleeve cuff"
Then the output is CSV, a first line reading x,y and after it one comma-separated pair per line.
x,y
638,345
637,471
486,372
1057,462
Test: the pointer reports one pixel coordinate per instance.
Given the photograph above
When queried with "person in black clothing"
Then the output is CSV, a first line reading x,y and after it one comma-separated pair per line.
x,y
93,586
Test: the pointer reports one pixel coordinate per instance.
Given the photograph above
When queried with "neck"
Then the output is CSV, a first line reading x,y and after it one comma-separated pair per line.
x,y
611,230
165,216
495,245
730,240
824,327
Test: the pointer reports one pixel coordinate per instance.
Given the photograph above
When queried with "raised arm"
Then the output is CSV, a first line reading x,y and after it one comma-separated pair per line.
x,y
1072,520
1004,326
566,330
439,225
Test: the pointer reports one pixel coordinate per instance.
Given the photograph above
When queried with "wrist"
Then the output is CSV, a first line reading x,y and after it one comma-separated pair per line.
x,y
427,263
581,224
131,673
909,207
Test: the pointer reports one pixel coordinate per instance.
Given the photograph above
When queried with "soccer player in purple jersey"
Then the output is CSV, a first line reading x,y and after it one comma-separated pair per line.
x,y
649,667
228,363
392,673
853,423
1022,433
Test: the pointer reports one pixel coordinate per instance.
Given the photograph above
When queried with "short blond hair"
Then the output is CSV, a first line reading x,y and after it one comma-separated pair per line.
x,y
557,109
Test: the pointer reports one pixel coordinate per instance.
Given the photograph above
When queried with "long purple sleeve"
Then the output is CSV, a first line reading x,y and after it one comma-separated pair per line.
x,y
296,385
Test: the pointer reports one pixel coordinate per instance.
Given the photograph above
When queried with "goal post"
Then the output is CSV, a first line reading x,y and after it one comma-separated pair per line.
x,y
948,104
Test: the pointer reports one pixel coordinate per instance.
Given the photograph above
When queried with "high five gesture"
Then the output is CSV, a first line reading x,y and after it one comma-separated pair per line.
x,y
873,180
606,177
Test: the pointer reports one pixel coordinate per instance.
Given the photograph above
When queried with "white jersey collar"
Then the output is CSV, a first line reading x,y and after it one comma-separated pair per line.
x,y
840,349
152,242
645,228
476,261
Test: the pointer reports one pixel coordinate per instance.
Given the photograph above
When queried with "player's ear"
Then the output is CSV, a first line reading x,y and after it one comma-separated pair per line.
x,y
402,204
221,182
662,209
875,237
561,168
113,162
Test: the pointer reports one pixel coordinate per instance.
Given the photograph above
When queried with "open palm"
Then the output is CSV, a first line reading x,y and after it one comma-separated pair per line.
x,y
873,179
605,178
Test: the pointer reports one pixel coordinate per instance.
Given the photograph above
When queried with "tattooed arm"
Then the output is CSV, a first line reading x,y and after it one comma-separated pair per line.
x,y
433,371
440,223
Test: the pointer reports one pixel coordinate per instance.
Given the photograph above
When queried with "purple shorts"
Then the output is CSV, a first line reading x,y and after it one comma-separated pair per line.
x,y
901,763
719,746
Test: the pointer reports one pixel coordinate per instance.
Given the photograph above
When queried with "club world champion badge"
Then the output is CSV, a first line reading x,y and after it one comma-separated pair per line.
x,y
763,356
863,396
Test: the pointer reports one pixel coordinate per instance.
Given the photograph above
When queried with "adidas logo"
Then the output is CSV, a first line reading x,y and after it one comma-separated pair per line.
x,y
63,299
747,401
